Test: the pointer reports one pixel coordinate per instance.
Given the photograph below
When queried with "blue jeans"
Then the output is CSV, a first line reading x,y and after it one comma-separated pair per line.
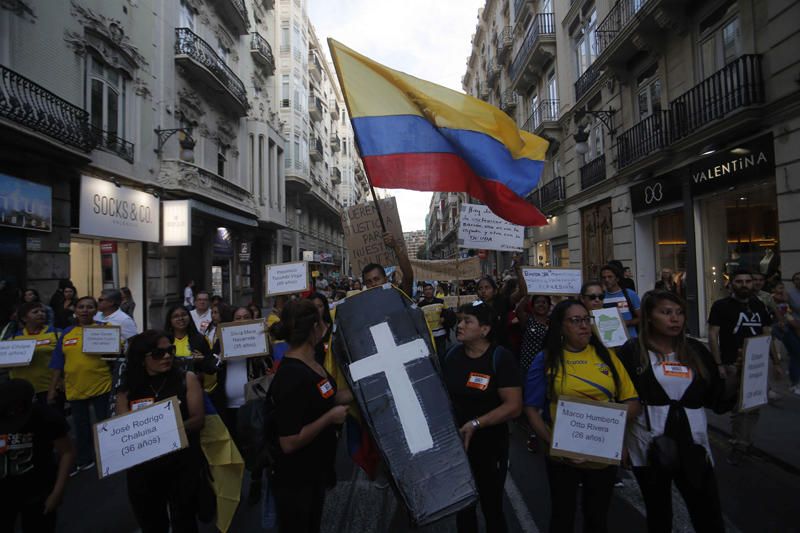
x,y
789,337
82,421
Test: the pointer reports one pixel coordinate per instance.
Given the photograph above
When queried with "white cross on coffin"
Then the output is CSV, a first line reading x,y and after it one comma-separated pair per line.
x,y
391,360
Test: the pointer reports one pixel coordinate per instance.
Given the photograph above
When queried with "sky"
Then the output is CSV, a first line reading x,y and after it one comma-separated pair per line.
x,y
429,39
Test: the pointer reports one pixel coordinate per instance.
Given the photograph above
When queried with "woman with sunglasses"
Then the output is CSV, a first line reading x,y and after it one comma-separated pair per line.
x,y
575,363
483,381
592,294
163,492
677,379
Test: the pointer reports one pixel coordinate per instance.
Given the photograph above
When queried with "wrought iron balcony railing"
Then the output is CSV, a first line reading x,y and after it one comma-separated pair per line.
x,y
29,104
646,137
552,192
586,81
111,142
262,52
187,43
315,107
543,24
620,15
593,172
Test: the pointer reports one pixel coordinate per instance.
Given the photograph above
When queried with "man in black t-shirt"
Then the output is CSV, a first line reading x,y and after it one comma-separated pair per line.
x,y
31,482
731,321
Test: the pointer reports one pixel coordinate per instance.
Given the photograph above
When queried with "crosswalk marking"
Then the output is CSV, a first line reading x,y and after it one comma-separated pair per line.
x,y
520,507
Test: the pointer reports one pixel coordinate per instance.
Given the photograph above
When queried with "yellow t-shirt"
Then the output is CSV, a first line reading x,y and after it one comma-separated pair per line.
x,y
182,348
85,375
38,373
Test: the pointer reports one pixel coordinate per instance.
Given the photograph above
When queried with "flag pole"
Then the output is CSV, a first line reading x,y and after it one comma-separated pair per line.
x,y
355,137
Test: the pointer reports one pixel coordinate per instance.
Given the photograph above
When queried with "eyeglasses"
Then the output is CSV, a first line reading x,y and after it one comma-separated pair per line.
x,y
578,321
160,353
593,296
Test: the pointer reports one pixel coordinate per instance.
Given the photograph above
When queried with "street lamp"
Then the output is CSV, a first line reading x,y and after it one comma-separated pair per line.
x,y
606,117
187,142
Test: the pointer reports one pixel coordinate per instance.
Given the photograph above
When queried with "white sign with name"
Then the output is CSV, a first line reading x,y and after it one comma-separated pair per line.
x,y
177,223
755,367
287,278
585,429
139,436
17,353
552,280
609,327
480,228
246,338
102,339
107,210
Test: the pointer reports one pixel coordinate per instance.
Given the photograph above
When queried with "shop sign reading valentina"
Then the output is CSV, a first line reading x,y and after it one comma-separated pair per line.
x,y
753,159
107,210
729,167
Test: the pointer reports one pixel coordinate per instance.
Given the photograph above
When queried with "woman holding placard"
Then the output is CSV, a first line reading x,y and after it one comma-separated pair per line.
x,y
191,348
33,316
677,379
575,363
87,380
170,482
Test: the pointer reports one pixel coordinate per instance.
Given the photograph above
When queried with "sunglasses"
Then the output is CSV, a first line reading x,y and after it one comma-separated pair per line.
x,y
593,296
160,353
578,321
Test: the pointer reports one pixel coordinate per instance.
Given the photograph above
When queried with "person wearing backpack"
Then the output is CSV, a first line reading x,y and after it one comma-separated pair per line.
x,y
309,409
625,300
483,381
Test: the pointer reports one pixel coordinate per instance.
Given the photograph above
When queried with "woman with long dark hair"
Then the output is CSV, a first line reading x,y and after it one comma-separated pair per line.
x,y
676,378
64,311
536,323
171,482
320,301
575,363
192,351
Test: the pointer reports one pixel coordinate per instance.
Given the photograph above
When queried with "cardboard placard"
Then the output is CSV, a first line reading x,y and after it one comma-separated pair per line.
x,y
586,429
454,302
446,269
287,278
103,340
480,228
134,438
755,371
552,280
246,338
433,315
363,235
17,353
609,327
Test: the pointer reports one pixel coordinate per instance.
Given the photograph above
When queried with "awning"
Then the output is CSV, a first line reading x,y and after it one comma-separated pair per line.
x,y
221,213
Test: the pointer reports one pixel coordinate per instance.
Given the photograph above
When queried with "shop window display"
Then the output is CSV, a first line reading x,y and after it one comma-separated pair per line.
x,y
671,249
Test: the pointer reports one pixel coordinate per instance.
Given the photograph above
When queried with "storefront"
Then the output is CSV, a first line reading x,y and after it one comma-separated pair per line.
x,y
547,246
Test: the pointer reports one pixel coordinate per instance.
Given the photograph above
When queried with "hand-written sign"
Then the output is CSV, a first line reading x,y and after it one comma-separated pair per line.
x,y
755,366
433,315
480,228
363,235
17,353
585,429
552,280
446,269
246,338
451,302
287,278
101,339
139,436
609,327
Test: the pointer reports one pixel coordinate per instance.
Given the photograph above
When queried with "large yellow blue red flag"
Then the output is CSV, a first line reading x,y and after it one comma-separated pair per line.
x,y
414,134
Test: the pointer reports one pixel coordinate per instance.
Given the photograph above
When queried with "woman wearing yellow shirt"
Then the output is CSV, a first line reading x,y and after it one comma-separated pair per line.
x,y
33,316
87,380
192,350
575,363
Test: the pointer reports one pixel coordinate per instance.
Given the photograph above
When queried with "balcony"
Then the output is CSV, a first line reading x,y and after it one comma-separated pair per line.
x,y
314,67
535,199
315,108
234,13
202,63
261,51
110,142
587,81
333,106
593,172
648,136
315,149
336,143
553,193
494,70
509,101
505,40
30,105
545,116
336,176
538,48
520,8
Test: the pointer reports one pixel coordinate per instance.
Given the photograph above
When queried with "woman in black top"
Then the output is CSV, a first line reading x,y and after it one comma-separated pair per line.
x,y
676,379
309,409
172,481
484,384
321,303
536,325
194,353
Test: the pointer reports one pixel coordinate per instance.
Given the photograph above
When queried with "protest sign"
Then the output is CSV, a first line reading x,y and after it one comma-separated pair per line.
x,y
480,228
552,280
363,235
139,436
586,429
451,302
102,339
433,315
17,353
287,278
245,338
609,327
755,366
446,269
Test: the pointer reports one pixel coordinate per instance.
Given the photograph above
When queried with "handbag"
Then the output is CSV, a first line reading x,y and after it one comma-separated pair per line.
x,y
663,450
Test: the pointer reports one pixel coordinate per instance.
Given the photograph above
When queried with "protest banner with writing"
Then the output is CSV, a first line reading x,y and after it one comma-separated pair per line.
x,y
609,327
102,339
552,280
446,269
480,228
586,429
246,338
139,436
433,315
755,369
287,278
363,235
17,353
451,302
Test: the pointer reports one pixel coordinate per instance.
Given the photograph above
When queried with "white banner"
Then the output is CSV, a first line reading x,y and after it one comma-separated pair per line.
x,y
177,223
117,212
482,229
552,280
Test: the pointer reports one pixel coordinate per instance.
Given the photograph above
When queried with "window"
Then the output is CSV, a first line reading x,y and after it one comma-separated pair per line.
x,y
648,97
222,50
552,87
285,90
720,40
586,43
106,97
534,105
547,6
285,44
221,159
186,16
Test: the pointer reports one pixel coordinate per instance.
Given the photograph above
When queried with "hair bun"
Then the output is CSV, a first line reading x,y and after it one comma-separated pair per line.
x,y
279,331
